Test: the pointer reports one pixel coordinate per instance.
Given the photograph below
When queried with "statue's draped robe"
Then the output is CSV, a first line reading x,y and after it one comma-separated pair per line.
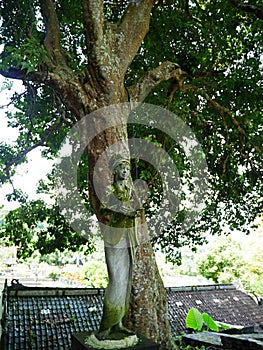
x,y
120,239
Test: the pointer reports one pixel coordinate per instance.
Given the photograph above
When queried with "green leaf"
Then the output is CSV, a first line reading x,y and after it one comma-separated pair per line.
x,y
224,325
210,323
194,319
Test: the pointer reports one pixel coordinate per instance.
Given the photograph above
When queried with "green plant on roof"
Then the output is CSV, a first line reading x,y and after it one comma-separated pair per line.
x,y
31,336
202,321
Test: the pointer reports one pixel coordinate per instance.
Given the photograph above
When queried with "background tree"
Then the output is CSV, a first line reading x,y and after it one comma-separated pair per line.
x,y
227,260
202,60
223,263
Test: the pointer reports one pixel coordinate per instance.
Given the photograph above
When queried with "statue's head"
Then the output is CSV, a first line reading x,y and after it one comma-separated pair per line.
x,y
120,166
118,160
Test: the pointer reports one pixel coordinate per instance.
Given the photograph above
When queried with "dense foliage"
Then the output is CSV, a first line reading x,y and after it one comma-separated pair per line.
x,y
223,263
42,228
217,44
228,260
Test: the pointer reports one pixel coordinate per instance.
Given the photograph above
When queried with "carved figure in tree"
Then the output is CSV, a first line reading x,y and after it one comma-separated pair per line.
x,y
123,207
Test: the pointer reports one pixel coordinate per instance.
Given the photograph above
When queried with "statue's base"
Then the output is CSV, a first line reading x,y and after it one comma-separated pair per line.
x,y
78,343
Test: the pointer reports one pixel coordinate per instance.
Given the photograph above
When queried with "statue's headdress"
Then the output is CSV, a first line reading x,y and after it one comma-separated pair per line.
x,y
117,160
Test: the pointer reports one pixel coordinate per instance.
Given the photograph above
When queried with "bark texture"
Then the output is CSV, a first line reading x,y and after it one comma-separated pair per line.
x,y
148,304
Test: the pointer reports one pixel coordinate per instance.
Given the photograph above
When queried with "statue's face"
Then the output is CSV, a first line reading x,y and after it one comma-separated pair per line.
x,y
122,171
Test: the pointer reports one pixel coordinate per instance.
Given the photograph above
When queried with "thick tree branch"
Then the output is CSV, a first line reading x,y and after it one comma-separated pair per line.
x,y
14,73
21,74
94,27
167,70
256,10
132,30
52,39
93,18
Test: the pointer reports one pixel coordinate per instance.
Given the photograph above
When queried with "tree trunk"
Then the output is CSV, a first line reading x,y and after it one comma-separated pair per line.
x,y
148,314
148,305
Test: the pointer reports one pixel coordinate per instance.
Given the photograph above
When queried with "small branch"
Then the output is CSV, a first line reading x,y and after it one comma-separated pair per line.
x,y
256,10
16,160
222,110
32,92
9,103
211,73
17,195
151,79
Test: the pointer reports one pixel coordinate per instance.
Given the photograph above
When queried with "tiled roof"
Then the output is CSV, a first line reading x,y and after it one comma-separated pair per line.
x,y
223,302
39,318
45,318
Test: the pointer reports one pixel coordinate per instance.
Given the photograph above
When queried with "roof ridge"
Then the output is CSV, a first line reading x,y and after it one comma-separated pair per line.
x,y
204,287
17,288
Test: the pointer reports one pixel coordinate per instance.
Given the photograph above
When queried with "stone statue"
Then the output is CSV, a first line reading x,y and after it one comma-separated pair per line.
x,y
123,208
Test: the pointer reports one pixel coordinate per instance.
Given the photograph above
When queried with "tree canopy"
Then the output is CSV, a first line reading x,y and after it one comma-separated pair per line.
x,y
202,60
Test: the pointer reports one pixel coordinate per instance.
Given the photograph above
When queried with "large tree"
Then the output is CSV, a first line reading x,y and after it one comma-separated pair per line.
x,y
200,59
